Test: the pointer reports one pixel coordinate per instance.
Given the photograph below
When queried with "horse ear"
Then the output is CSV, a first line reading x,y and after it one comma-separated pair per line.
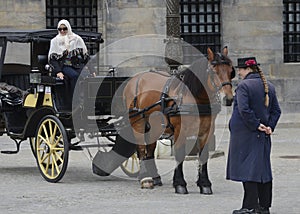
x,y
210,54
225,51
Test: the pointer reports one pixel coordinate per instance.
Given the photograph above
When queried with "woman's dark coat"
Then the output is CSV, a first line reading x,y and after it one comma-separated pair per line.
x,y
249,148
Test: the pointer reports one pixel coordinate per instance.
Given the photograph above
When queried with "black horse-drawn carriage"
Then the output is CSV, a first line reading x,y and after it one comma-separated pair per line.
x,y
34,105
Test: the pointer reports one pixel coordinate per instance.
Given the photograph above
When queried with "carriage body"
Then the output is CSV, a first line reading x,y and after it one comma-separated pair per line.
x,y
41,107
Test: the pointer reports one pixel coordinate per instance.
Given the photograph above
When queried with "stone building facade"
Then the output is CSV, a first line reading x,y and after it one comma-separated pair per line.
x,y
249,28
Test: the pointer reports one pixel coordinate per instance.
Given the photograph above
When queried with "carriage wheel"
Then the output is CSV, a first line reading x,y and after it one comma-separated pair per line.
x,y
131,166
52,148
32,146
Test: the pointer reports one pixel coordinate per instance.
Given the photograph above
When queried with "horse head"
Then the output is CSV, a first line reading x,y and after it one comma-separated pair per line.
x,y
221,71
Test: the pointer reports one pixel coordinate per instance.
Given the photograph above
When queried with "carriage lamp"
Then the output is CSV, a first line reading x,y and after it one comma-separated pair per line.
x,y
35,76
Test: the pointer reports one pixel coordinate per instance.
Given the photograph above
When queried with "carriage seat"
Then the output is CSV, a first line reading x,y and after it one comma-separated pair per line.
x,y
16,75
60,92
44,67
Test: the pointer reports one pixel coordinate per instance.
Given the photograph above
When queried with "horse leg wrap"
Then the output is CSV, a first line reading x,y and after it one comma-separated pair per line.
x,y
153,172
148,168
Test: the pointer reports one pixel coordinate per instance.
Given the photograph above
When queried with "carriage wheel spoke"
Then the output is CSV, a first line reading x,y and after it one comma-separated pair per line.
x,y
54,165
46,133
43,158
43,139
58,140
58,156
53,133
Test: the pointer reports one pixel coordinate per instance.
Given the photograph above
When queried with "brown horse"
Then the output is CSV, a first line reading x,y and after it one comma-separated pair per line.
x,y
180,105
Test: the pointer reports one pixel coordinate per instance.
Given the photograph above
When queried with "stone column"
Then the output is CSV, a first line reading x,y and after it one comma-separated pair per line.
x,y
173,50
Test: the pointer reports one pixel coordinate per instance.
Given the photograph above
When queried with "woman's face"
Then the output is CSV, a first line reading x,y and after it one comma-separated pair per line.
x,y
242,72
63,30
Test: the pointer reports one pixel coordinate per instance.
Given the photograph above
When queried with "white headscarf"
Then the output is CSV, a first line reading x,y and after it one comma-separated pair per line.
x,y
68,42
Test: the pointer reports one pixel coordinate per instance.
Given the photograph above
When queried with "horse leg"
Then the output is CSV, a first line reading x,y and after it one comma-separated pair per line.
x,y
154,127
203,181
148,175
144,176
148,165
151,165
178,179
139,127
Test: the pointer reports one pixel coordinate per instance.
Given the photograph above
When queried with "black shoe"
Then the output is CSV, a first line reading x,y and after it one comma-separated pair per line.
x,y
264,210
246,211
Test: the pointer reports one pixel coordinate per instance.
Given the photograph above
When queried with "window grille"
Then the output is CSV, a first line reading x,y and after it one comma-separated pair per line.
x,y
82,15
200,25
291,30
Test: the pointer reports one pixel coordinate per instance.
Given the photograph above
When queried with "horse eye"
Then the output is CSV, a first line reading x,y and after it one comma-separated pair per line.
x,y
232,75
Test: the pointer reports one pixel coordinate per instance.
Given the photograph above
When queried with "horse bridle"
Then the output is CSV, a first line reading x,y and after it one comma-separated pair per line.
x,y
212,73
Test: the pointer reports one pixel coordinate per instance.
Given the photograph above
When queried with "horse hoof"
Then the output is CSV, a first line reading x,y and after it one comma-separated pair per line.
x,y
181,189
157,181
206,190
147,183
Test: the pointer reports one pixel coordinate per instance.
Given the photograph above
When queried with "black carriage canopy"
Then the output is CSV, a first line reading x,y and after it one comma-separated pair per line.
x,y
15,35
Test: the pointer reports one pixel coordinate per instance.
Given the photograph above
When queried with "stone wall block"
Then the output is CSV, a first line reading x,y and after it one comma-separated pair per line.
x,y
265,13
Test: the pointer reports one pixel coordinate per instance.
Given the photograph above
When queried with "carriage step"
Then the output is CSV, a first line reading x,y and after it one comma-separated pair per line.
x,y
9,152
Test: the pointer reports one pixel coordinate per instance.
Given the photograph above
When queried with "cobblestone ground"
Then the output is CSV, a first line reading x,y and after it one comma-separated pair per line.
x,y
23,190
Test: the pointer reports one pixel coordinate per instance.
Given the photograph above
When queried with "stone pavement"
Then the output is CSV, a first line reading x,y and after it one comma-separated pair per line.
x,y
23,190
285,158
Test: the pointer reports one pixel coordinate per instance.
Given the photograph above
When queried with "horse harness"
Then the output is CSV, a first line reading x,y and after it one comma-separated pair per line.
x,y
177,108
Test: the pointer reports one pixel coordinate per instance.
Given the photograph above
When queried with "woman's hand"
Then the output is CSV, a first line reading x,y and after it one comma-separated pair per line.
x,y
60,75
269,130
264,128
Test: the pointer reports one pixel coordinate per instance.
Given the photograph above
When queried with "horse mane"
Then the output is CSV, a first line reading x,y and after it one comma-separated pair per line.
x,y
194,77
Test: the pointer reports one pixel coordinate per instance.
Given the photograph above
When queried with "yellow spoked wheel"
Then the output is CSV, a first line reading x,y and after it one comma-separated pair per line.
x,y
131,166
52,148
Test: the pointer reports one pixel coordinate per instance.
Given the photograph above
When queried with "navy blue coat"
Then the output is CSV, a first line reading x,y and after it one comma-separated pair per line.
x,y
249,148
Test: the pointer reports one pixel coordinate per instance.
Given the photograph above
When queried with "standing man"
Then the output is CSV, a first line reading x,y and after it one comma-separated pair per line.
x,y
255,114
